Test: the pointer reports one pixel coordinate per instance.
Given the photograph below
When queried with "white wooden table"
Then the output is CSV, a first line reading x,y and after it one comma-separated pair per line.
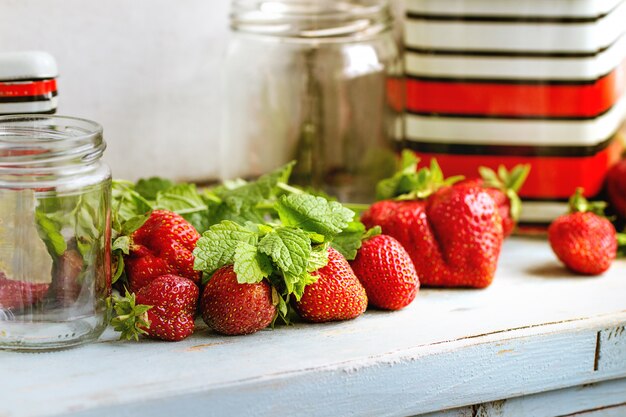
x,y
538,342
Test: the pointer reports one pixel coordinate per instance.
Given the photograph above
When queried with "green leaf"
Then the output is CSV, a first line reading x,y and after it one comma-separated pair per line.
x,y
50,232
349,241
119,268
150,187
130,318
133,224
122,244
217,245
300,285
289,248
250,265
518,176
313,214
127,203
578,203
318,258
185,200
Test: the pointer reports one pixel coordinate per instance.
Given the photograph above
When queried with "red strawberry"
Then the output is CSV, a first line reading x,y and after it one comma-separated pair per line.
x,y
503,188
386,271
162,245
453,234
20,294
231,308
336,295
584,240
616,187
163,309
66,285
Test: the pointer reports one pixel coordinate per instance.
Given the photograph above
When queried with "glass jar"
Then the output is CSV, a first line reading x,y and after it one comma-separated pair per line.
x,y
54,232
317,81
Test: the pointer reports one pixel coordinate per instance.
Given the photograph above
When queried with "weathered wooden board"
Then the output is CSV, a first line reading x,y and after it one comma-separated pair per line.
x,y
536,329
587,400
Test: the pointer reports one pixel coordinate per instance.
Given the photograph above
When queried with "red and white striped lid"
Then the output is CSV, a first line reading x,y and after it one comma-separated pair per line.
x,y
28,82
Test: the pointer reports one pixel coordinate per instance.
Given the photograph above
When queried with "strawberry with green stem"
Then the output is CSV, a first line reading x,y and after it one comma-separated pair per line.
x,y
503,187
584,240
453,233
163,309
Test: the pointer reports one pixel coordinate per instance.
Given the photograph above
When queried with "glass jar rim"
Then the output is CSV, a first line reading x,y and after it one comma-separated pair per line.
x,y
323,20
46,141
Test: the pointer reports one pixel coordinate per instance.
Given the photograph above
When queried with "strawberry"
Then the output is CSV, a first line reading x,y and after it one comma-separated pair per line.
x,y
66,285
233,308
20,294
386,271
453,233
616,187
165,309
503,187
163,245
336,295
584,240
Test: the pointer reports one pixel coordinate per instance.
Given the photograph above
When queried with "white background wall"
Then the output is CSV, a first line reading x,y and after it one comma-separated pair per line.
x,y
148,70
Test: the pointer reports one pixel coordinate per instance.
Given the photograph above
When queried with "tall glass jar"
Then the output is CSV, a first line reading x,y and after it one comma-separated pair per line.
x,y
54,232
317,81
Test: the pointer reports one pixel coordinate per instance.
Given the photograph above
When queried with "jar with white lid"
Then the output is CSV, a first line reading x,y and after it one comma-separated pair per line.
x,y
54,232
28,83
317,81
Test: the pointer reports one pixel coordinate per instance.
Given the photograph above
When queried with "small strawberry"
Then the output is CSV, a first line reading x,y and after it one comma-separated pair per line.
x,y
616,187
503,187
336,295
386,271
163,309
20,294
234,308
584,240
66,285
164,244
453,233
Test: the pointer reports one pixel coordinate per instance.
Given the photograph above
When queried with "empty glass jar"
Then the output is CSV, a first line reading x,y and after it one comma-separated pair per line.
x,y
54,232
317,81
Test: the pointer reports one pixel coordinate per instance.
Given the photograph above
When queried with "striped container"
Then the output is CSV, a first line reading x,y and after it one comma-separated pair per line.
x,y
519,81
28,83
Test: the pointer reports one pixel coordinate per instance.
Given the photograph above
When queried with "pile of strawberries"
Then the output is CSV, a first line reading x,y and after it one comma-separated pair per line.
x,y
272,252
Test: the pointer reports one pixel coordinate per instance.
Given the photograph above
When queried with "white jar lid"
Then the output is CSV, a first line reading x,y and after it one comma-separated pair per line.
x,y
27,65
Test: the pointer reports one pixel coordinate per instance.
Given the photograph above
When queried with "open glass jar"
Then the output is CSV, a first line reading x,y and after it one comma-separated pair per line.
x,y
317,81
54,232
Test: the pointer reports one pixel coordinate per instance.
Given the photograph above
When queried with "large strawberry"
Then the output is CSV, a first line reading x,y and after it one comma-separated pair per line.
x,y
234,308
20,294
336,295
453,233
616,187
163,309
163,245
503,187
584,240
386,271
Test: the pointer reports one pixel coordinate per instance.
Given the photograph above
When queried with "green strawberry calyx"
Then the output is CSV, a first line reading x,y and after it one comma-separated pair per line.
x,y
411,183
130,318
621,244
579,204
509,182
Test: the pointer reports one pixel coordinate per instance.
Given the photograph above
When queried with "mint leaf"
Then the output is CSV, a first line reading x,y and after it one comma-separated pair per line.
x,y
185,200
318,258
122,244
133,224
250,265
150,187
126,202
349,241
289,248
313,214
50,232
300,285
217,245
